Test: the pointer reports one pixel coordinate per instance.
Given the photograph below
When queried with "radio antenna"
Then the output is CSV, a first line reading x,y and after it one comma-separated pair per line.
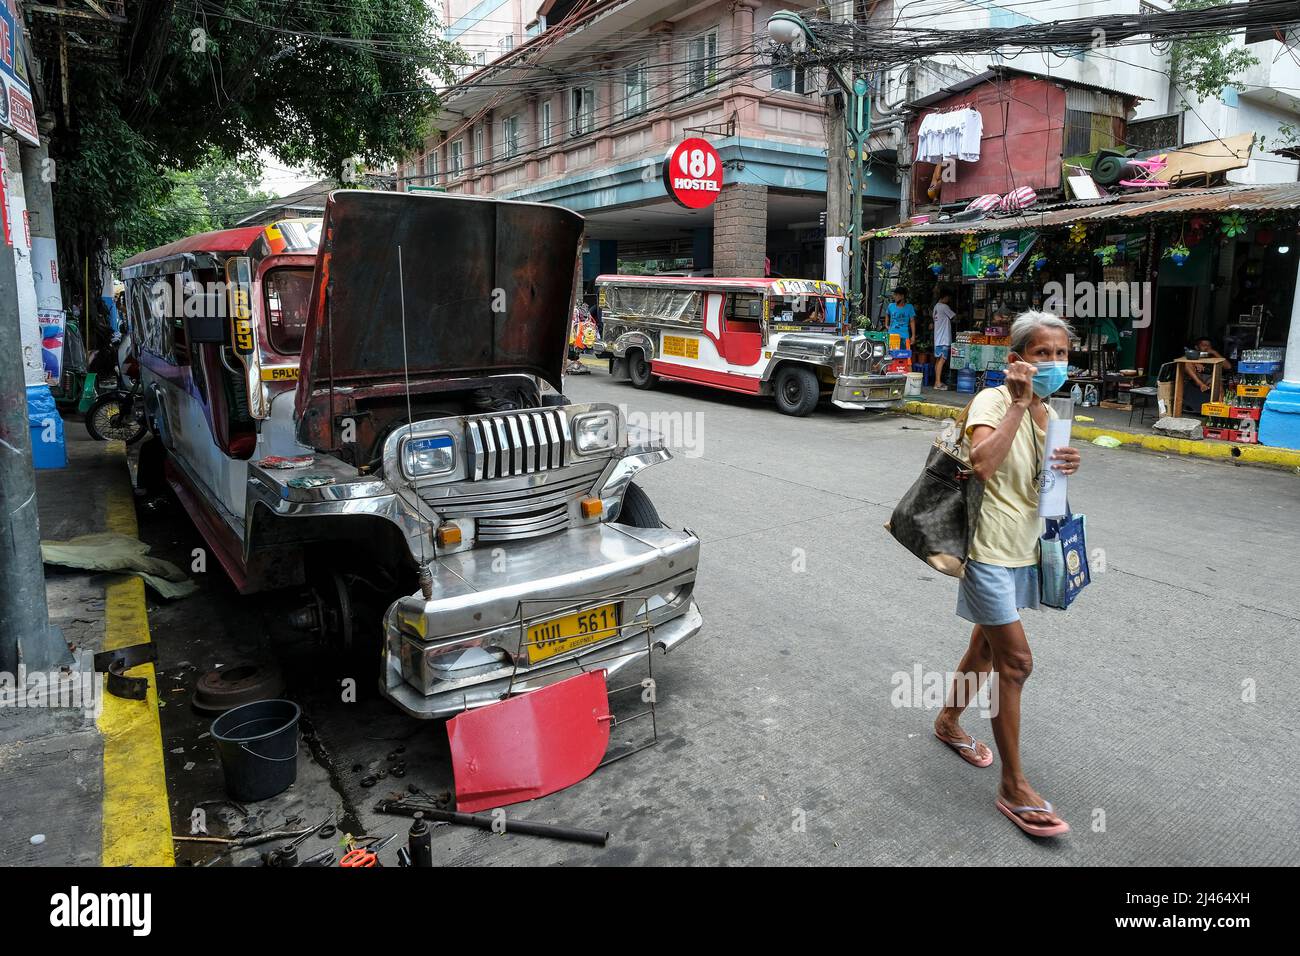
x,y
425,575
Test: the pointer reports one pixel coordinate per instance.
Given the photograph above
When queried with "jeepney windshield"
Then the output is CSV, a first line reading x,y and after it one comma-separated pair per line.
x,y
806,310
288,292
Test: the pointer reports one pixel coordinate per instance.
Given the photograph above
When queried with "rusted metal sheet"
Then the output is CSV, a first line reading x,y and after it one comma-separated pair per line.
x,y
1022,142
488,288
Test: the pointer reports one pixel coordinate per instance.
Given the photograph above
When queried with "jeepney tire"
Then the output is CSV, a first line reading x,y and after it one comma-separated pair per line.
x,y
638,370
150,474
796,390
638,510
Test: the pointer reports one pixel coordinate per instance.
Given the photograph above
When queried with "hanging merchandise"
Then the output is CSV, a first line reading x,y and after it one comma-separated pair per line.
x,y
955,134
1078,234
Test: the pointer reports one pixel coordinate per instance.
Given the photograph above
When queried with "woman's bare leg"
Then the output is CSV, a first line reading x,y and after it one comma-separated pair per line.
x,y
1013,663
977,660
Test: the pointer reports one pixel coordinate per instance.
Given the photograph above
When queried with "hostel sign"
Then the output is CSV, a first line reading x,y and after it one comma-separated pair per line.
x,y
693,173
16,110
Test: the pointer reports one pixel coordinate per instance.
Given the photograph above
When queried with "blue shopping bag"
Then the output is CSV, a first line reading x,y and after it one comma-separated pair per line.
x,y
1063,561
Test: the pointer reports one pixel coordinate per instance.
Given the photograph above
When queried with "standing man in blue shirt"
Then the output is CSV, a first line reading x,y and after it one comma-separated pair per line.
x,y
902,318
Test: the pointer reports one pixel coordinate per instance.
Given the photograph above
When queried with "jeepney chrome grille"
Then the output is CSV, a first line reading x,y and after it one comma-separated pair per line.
x,y
558,489
521,443
531,525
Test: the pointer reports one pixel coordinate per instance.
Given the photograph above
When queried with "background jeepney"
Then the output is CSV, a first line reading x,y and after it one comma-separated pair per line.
x,y
780,337
454,499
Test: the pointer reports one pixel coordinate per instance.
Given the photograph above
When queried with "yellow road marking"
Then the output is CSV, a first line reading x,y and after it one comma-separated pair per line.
x,y
137,822
1228,451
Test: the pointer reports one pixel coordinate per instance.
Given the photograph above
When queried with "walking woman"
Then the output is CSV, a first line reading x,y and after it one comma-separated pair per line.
x,y
1005,436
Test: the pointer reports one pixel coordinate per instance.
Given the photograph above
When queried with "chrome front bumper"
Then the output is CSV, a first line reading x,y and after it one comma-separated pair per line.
x,y
467,645
868,391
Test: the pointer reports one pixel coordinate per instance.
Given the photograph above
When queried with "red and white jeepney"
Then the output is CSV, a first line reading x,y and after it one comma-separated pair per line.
x,y
788,338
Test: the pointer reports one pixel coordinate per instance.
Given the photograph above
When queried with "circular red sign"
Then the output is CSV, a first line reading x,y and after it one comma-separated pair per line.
x,y
693,173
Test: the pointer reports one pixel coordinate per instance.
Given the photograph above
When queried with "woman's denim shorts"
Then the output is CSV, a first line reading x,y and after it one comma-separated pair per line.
x,y
993,595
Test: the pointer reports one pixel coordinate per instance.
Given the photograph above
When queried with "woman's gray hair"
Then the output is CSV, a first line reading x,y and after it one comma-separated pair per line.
x,y
1028,324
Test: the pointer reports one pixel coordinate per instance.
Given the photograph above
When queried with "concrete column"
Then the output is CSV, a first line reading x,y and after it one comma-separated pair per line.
x,y
740,231
15,197
742,23
38,176
659,79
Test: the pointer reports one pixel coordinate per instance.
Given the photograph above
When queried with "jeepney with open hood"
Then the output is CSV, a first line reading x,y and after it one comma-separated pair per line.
x,y
370,408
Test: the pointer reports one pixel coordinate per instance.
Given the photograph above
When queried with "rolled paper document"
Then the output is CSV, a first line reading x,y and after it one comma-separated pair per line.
x,y
1051,483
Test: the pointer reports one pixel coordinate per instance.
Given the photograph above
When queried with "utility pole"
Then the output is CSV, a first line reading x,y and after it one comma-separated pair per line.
x,y
25,632
790,29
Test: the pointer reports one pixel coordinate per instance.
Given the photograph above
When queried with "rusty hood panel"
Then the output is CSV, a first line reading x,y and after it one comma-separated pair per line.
x,y
488,288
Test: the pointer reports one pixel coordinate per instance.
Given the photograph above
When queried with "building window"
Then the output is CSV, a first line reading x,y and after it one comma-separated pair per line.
x,y
478,146
458,157
510,136
702,57
430,166
536,27
506,43
790,78
546,124
480,58
634,90
582,111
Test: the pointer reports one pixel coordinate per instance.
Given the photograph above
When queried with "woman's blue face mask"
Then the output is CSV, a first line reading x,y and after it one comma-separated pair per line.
x,y
1049,377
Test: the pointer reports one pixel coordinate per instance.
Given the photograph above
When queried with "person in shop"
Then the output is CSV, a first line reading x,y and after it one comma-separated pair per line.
x,y
902,318
942,315
1005,441
1198,377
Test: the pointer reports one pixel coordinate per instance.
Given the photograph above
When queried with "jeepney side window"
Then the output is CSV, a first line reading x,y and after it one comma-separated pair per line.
x,y
147,298
744,311
287,294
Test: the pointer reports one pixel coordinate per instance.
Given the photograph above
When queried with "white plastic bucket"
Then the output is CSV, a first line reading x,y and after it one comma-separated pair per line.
x,y
913,386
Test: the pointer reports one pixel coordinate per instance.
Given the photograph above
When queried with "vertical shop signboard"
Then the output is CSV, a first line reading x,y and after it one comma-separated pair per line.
x,y
16,111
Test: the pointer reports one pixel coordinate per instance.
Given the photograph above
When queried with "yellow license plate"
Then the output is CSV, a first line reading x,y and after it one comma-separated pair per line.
x,y
562,634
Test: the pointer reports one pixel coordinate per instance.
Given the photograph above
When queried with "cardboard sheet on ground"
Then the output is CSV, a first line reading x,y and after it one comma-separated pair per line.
x,y
528,746
110,551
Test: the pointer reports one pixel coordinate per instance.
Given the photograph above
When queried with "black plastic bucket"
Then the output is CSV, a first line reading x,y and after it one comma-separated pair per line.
x,y
258,744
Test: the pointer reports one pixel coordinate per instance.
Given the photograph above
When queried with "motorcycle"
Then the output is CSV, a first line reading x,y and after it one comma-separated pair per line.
x,y
118,414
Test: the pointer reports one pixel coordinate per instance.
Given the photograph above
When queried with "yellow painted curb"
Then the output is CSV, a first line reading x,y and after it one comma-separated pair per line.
x,y
1227,451
137,822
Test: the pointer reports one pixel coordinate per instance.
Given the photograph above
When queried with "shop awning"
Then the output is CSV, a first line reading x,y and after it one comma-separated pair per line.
x,y
1126,207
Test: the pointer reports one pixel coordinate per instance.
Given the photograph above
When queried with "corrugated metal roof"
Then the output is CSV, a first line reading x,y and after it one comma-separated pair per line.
x,y
1130,206
997,70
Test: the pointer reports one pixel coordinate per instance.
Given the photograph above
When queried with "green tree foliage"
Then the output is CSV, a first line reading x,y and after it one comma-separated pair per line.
x,y
1205,64
315,83
216,194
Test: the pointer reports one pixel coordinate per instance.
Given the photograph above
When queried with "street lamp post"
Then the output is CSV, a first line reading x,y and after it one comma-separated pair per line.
x,y
789,29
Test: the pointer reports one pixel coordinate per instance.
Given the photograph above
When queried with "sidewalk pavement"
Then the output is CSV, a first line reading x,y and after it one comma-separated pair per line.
x,y
89,787
1116,424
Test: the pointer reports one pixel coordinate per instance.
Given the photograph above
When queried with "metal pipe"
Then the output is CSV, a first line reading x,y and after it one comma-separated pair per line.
x,y
483,822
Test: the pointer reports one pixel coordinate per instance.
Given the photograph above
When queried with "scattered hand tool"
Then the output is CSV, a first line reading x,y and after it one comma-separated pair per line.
x,y
323,858
484,821
420,841
367,856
